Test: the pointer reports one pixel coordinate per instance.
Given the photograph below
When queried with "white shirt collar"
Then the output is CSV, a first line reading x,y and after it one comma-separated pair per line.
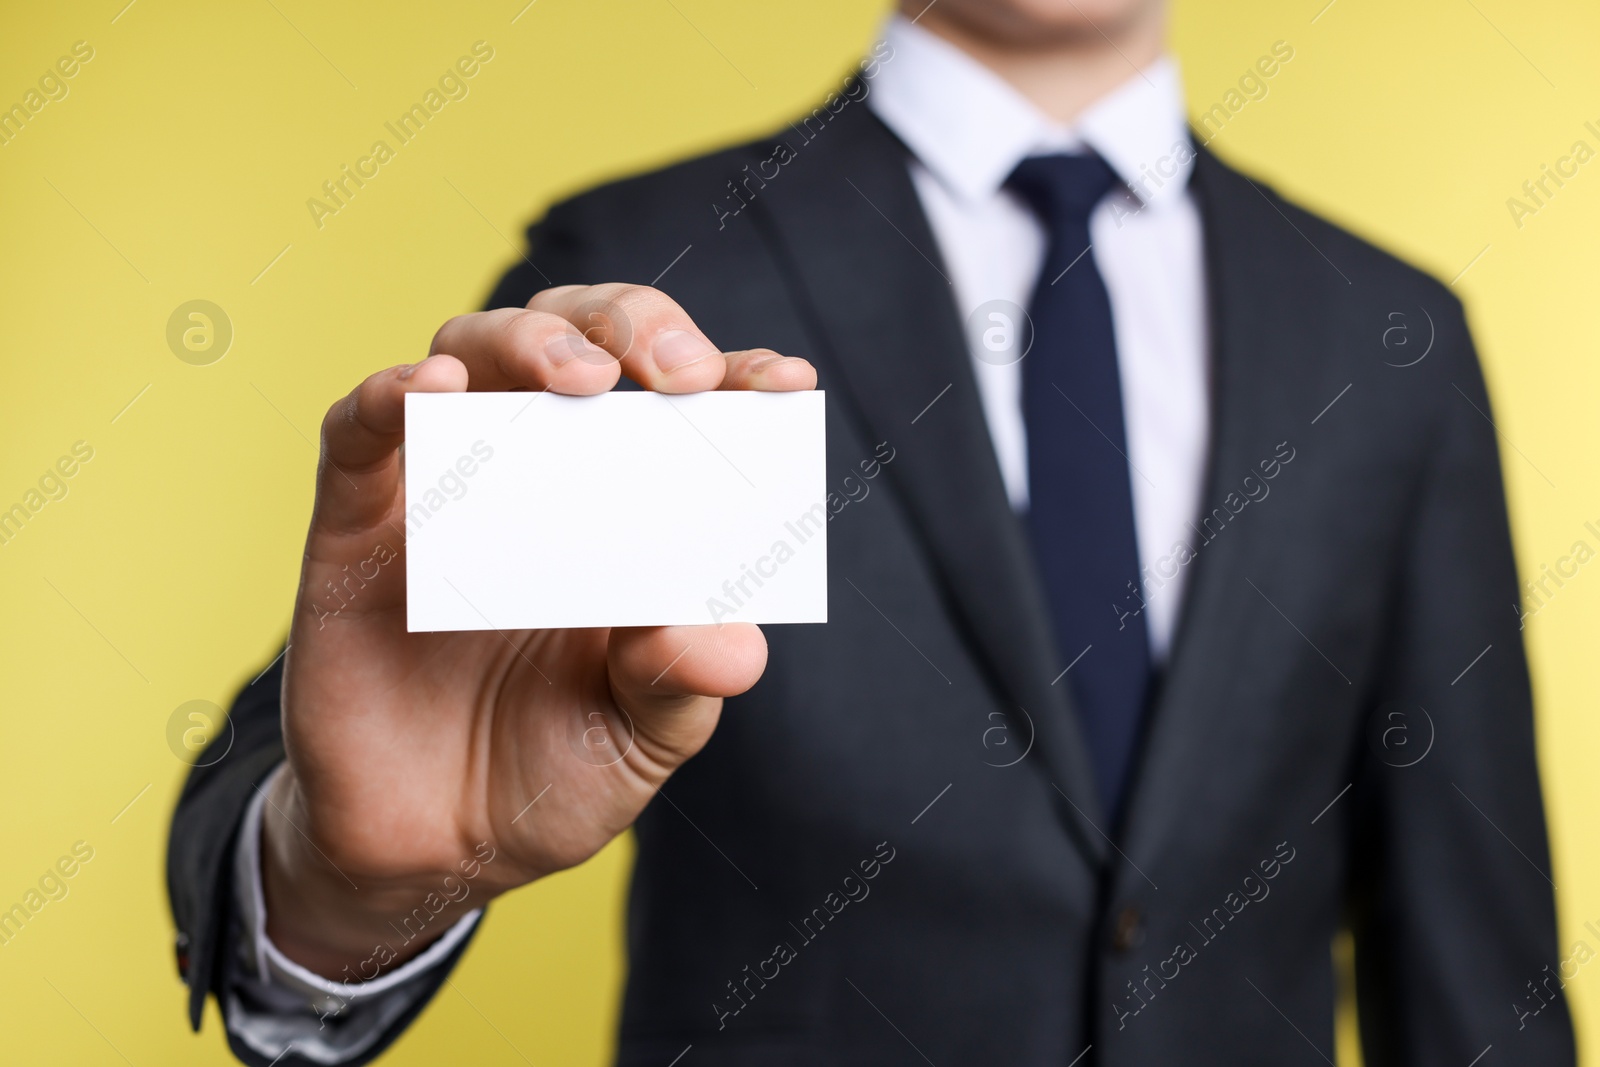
x,y
970,128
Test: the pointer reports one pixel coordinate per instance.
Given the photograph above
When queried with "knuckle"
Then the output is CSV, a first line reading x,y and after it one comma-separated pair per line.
x,y
605,322
524,331
644,302
448,335
551,295
357,411
342,412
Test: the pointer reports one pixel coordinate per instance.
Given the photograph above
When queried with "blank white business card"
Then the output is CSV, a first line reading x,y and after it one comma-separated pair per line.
x,y
534,510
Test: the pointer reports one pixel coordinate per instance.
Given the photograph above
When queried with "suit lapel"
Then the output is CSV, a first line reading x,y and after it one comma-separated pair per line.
x,y
847,223
1252,260
848,227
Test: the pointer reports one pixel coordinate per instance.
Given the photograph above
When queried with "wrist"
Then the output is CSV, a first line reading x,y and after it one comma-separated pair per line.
x,y
343,924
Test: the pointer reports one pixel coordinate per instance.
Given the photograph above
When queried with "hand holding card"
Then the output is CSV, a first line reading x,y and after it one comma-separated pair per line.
x,y
557,536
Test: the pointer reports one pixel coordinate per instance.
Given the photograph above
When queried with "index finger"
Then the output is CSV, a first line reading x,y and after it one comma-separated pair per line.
x,y
654,339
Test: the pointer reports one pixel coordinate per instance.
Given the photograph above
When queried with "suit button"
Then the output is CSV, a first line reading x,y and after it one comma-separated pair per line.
x,y
181,946
1127,933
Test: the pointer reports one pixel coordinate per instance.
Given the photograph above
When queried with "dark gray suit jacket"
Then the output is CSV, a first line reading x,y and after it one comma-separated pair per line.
x,y
1319,752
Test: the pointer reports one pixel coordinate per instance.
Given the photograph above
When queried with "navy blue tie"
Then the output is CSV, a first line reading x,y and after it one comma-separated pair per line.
x,y
1080,513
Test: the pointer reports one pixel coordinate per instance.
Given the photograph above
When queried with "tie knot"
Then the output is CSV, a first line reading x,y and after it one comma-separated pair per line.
x,y
1063,189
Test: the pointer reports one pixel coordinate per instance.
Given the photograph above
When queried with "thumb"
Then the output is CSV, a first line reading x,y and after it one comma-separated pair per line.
x,y
671,679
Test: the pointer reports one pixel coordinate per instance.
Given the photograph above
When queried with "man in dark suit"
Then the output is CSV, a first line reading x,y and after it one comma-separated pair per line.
x,y
1171,622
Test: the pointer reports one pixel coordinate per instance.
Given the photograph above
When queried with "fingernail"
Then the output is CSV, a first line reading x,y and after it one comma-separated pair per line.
x,y
677,349
407,371
563,348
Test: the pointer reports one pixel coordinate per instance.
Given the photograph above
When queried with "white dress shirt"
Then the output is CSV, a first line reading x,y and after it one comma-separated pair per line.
x,y
967,130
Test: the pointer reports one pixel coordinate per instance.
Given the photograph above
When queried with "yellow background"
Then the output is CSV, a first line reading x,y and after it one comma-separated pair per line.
x,y
178,169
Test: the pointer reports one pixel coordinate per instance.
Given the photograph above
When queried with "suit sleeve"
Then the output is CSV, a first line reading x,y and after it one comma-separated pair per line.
x,y
1452,901
211,809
